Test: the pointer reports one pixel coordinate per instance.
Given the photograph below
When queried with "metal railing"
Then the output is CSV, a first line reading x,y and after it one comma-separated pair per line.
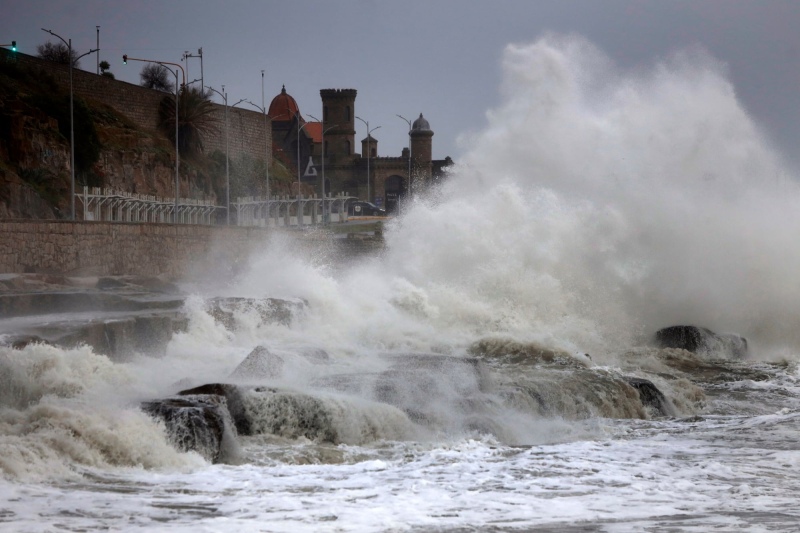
x,y
285,211
103,204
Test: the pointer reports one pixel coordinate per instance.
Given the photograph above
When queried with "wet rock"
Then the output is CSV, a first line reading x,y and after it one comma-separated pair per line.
x,y
270,310
136,283
259,364
293,415
233,401
702,341
148,334
651,397
194,423
525,353
18,342
469,372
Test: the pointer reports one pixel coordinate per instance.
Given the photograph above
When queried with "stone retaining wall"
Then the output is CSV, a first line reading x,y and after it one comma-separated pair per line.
x,y
173,251
112,248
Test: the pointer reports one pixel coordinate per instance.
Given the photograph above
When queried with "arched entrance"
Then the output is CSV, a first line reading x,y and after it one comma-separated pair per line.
x,y
394,192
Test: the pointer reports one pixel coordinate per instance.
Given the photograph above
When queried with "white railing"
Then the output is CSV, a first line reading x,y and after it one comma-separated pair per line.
x,y
121,206
285,211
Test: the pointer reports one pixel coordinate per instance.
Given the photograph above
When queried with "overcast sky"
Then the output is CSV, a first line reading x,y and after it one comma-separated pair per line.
x,y
437,57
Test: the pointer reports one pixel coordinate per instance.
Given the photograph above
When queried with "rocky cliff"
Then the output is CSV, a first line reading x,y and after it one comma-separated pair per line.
x,y
111,150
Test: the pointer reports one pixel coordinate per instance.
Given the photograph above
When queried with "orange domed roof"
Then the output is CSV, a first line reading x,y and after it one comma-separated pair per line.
x,y
283,107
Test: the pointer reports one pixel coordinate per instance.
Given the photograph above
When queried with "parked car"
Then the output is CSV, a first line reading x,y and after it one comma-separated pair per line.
x,y
364,209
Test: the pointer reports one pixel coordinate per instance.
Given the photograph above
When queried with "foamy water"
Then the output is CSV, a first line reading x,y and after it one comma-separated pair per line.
x,y
596,206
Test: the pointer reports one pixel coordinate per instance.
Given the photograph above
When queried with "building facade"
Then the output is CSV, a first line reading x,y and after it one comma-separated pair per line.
x,y
328,148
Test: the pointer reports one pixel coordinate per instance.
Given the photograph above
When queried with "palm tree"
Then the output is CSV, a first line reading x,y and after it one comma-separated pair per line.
x,y
196,119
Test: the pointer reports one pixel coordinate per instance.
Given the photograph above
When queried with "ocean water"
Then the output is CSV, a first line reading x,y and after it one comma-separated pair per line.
x,y
476,376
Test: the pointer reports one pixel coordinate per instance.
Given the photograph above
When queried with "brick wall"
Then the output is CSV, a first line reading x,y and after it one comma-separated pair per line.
x,y
246,128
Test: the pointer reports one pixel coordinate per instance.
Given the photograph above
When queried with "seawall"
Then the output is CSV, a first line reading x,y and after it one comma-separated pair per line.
x,y
171,251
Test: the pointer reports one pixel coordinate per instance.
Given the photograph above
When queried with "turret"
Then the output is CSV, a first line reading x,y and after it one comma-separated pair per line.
x,y
338,110
421,152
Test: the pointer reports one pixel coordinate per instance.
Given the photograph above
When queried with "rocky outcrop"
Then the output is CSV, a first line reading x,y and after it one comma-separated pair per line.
x,y
233,400
194,423
702,341
652,398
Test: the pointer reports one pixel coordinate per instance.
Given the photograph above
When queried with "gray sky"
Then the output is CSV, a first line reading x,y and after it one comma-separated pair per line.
x,y
437,57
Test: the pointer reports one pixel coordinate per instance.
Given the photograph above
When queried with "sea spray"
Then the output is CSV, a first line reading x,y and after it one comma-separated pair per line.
x,y
598,206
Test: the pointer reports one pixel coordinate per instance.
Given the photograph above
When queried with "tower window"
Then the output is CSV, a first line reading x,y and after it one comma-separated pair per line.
x,y
325,114
347,147
373,152
347,113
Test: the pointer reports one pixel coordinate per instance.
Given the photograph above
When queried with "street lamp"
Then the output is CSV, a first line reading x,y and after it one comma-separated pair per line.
x,y
71,119
299,205
410,127
263,110
369,152
322,188
224,96
125,59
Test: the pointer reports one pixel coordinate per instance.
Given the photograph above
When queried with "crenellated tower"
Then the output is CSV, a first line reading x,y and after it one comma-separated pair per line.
x,y
339,111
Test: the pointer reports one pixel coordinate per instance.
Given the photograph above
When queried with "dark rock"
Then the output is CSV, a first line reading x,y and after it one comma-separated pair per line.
x,y
233,399
651,397
194,423
702,341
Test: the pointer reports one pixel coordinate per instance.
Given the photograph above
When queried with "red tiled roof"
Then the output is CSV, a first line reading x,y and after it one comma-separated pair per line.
x,y
314,130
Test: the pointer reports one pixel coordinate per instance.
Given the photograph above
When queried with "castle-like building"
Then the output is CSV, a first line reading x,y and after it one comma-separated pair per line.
x,y
328,147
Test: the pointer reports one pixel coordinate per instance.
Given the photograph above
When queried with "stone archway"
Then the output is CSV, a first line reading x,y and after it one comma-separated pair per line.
x,y
395,189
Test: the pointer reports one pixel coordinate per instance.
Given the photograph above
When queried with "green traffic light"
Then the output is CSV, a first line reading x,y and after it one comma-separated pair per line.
x,y
125,59
13,46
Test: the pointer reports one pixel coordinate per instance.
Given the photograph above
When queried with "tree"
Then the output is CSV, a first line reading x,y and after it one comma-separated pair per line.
x,y
104,70
57,52
155,76
196,119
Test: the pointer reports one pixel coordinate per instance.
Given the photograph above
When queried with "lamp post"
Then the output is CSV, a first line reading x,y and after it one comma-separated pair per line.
x,y
98,50
71,120
164,64
299,205
322,157
409,149
224,96
263,109
369,153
